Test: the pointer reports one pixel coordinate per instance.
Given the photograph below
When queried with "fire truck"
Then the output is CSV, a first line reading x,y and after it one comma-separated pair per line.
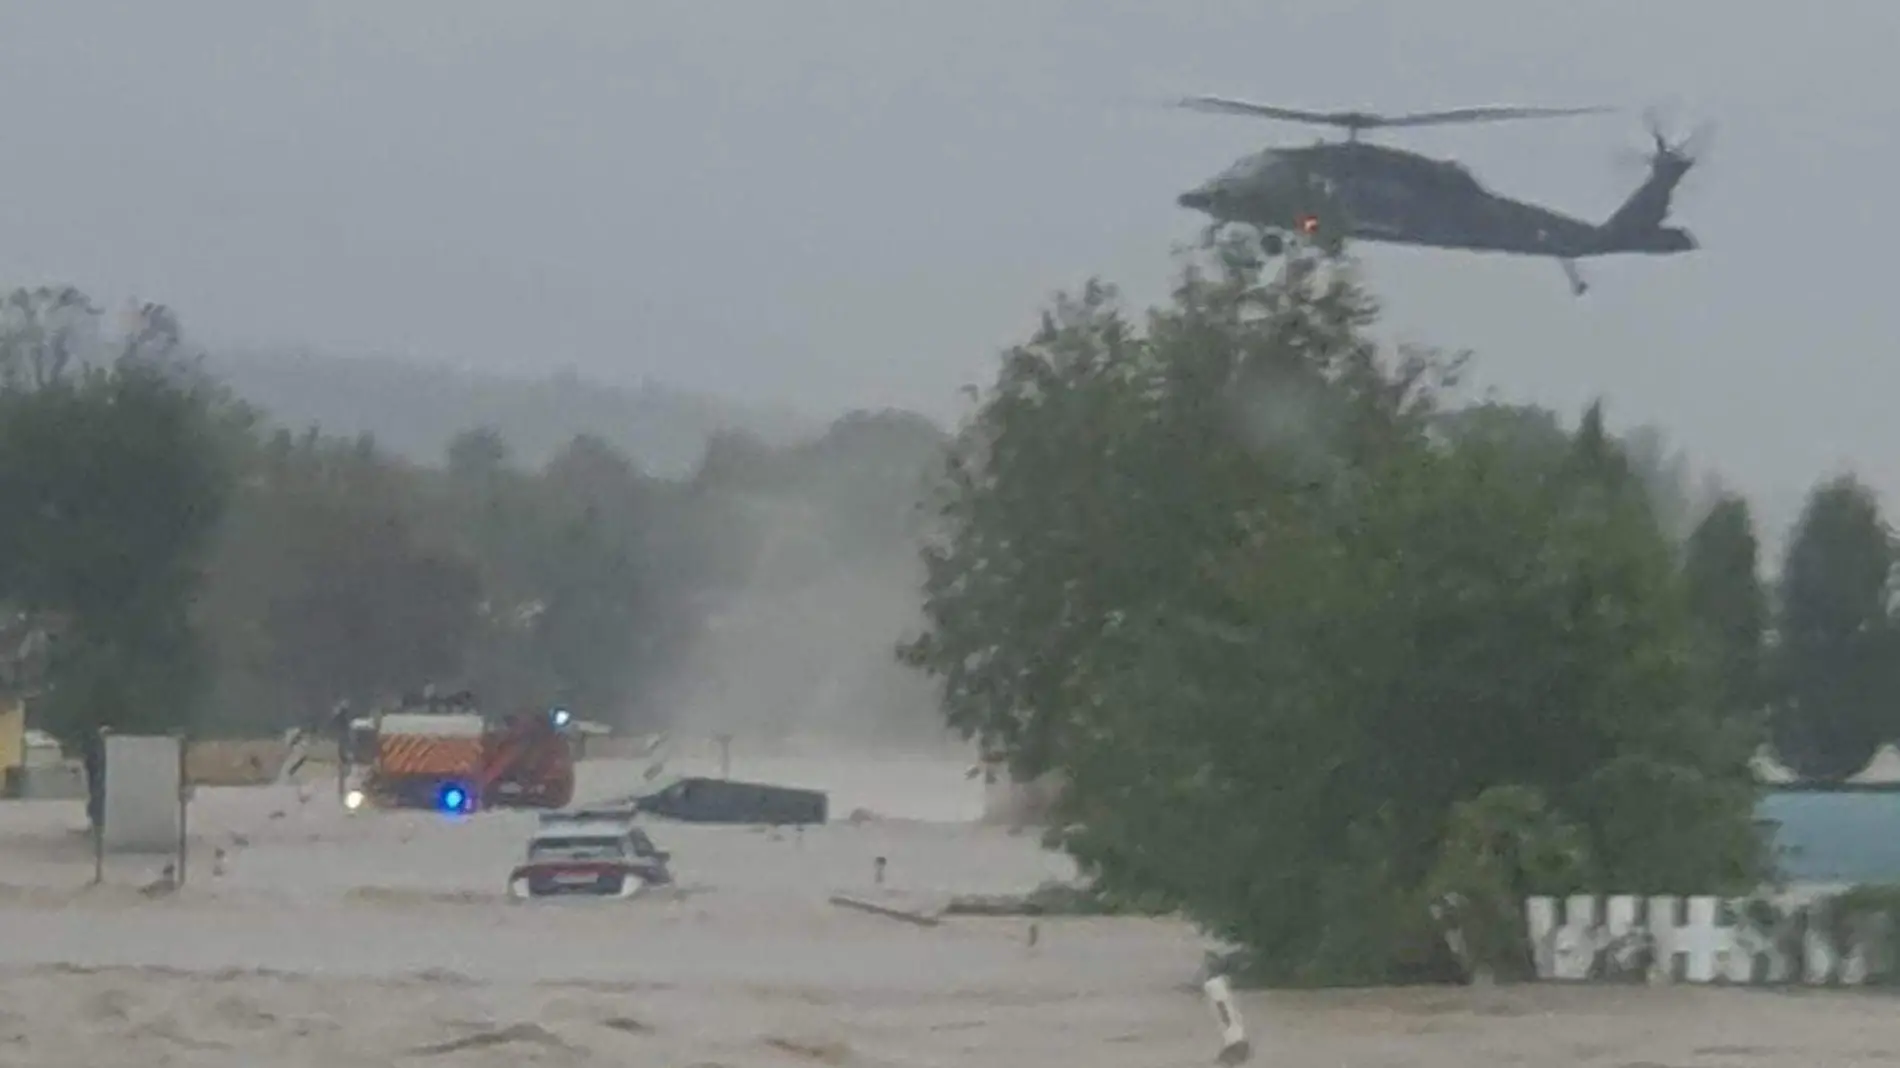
x,y
444,754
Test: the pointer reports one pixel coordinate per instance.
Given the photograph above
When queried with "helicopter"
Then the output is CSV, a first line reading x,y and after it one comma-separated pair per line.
x,y
1332,191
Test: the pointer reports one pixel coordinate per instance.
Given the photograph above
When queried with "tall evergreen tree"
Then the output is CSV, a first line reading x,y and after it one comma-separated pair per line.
x,y
1722,572
1835,694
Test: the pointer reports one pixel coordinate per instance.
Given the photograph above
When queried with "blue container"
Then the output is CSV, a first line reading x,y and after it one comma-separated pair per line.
x,y
1835,836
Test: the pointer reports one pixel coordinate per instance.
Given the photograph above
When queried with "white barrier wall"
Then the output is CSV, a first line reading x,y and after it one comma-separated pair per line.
x,y
142,809
1694,939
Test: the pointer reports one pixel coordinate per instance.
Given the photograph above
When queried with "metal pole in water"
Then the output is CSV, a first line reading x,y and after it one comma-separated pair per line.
x,y
340,724
725,756
96,768
184,804
1234,1048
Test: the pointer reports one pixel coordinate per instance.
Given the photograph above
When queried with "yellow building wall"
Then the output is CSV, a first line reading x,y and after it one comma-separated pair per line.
x,y
12,732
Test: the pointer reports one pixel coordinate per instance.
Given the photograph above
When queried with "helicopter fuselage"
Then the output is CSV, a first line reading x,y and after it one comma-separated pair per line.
x,y
1335,191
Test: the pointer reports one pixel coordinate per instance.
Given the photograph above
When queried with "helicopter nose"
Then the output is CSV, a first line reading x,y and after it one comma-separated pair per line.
x,y
1201,199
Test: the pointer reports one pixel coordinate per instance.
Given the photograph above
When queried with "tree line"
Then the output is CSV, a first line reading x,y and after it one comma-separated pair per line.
x,y
1320,651
1317,647
171,559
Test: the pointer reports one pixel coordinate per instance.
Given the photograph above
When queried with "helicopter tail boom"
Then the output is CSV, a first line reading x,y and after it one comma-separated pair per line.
x,y
1637,226
1658,241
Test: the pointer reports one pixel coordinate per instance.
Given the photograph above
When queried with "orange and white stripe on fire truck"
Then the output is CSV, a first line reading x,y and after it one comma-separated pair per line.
x,y
424,754
429,744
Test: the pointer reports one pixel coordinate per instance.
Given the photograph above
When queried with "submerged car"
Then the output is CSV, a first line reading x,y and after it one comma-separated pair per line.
x,y
589,852
701,800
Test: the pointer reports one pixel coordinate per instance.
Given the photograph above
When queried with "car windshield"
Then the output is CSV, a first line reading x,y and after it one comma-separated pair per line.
x,y
578,847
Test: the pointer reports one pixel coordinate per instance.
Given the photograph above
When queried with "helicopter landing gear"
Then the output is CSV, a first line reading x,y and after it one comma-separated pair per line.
x,y
1266,244
1578,287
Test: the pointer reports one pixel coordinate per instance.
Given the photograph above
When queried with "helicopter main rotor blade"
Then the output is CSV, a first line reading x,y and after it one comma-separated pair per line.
x,y
1361,120
1226,106
1459,115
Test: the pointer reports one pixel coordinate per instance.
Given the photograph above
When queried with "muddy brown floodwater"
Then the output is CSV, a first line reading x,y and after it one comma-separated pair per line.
x,y
383,939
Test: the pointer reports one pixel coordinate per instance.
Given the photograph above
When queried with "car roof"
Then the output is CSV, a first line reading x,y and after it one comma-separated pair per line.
x,y
585,824
583,830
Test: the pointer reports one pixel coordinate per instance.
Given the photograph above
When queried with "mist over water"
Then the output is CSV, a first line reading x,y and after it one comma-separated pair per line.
x,y
804,648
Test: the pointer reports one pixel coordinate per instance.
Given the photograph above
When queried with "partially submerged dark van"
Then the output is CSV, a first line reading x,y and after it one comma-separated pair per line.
x,y
697,800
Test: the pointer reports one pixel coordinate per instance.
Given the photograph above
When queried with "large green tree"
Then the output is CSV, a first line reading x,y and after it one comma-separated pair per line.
x,y
1275,617
1834,663
1722,573
115,476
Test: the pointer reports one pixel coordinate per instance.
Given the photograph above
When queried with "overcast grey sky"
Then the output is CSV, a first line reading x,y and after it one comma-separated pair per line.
x,y
833,203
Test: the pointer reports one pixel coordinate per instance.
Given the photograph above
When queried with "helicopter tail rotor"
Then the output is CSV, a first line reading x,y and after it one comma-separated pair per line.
x,y
1666,155
1640,224
1686,151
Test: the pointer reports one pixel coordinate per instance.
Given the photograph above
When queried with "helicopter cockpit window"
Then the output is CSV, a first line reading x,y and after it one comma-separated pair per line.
x,y
1261,166
1452,175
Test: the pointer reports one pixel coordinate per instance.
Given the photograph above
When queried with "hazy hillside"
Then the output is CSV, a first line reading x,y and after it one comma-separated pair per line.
x,y
414,409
